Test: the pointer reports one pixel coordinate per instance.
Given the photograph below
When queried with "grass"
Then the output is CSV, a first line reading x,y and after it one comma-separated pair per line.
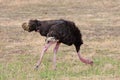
x,y
21,66
20,50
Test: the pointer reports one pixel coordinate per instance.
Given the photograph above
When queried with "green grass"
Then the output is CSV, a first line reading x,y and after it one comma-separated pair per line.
x,y
21,67
98,21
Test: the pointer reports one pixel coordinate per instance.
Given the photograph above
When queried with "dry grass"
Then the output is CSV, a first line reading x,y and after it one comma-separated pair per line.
x,y
99,21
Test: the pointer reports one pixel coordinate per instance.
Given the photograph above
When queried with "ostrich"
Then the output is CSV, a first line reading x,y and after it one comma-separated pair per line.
x,y
57,32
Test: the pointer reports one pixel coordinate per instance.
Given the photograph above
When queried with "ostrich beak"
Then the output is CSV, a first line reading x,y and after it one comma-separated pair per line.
x,y
25,26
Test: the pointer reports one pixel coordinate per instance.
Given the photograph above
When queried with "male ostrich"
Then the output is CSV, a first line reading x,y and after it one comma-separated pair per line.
x,y
57,31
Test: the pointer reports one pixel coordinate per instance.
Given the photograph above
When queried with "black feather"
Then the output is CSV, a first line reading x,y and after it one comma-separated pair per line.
x,y
63,30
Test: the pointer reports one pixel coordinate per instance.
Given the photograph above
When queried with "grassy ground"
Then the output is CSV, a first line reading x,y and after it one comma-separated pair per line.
x,y
98,20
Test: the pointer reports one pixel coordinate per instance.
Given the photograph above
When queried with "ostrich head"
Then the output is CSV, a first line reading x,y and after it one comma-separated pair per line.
x,y
30,26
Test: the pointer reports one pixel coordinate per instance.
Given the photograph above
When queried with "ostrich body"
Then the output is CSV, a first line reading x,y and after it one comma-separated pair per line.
x,y
57,31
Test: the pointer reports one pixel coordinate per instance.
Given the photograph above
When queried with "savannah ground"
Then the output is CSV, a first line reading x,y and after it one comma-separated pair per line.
x,y
98,20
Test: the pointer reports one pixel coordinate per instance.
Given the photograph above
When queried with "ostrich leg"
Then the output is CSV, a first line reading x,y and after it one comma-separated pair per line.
x,y
42,53
55,52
